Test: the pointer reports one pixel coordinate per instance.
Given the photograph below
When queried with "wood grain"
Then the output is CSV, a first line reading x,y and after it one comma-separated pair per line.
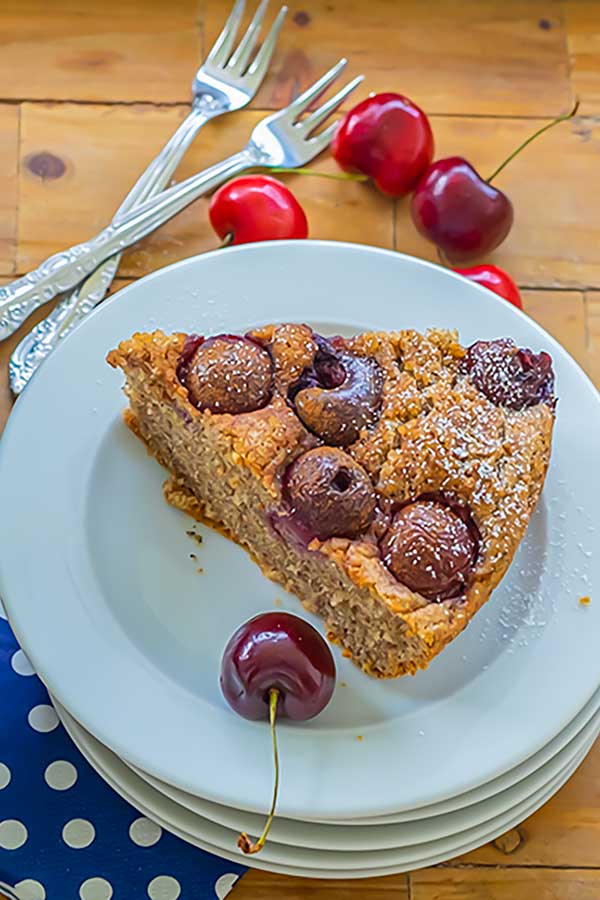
x,y
554,189
592,301
118,51
461,58
564,832
104,149
503,884
9,142
563,315
257,885
583,18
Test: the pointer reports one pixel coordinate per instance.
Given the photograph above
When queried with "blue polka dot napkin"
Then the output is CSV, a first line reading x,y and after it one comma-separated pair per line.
x,y
64,834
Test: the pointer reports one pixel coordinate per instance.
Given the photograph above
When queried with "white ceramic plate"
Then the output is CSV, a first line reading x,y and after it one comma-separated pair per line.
x,y
128,636
508,779
219,813
293,860
350,837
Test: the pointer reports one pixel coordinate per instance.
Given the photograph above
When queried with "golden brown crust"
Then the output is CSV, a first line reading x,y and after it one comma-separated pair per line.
x,y
436,433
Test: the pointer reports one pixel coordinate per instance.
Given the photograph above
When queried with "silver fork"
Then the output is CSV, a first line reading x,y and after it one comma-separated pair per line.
x,y
225,82
283,139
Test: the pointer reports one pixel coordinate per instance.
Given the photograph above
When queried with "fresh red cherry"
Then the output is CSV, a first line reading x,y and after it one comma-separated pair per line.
x,y
456,209
387,137
256,208
281,651
274,665
496,280
461,212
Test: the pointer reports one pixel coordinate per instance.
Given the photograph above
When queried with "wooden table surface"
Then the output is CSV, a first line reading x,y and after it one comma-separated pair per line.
x,y
90,90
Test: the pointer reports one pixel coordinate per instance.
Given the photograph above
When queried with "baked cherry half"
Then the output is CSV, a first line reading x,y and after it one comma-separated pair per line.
x,y
226,373
339,395
276,664
330,493
510,376
431,548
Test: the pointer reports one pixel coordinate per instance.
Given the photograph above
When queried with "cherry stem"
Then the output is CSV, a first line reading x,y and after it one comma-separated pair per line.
x,y
442,258
339,176
244,842
227,240
531,138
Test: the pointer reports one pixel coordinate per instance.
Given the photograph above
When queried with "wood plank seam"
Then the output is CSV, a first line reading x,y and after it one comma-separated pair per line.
x,y
184,102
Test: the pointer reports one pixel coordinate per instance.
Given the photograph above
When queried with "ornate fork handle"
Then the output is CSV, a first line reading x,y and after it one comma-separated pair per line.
x,y
66,269
43,338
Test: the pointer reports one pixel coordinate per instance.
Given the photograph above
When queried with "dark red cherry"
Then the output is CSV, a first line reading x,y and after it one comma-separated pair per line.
x,y
277,650
456,209
511,376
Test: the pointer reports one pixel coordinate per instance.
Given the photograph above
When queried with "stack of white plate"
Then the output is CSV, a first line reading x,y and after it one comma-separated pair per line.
x,y
127,634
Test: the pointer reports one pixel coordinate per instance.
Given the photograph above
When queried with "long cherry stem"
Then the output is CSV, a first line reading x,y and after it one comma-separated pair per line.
x,y
338,176
531,138
244,842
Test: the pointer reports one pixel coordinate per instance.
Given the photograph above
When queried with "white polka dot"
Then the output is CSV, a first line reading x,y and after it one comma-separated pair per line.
x,y
30,890
163,887
60,775
43,718
144,832
96,889
224,884
13,834
21,664
78,833
2,610
5,776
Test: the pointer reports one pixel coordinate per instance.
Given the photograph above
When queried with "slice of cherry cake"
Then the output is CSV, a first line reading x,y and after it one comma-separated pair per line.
x,y
386,479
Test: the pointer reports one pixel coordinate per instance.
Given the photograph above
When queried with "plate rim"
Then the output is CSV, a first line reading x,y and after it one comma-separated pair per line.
x,y
525,809
189,263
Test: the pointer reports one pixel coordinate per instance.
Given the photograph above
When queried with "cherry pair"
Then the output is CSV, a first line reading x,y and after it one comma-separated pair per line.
x,y
389,138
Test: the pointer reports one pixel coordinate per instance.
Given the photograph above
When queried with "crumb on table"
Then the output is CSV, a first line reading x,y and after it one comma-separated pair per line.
x,y
585,601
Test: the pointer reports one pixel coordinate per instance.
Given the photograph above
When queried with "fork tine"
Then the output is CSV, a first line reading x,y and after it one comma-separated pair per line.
x,y
321,141
261,63
241,55
323,112
298,105
221,48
